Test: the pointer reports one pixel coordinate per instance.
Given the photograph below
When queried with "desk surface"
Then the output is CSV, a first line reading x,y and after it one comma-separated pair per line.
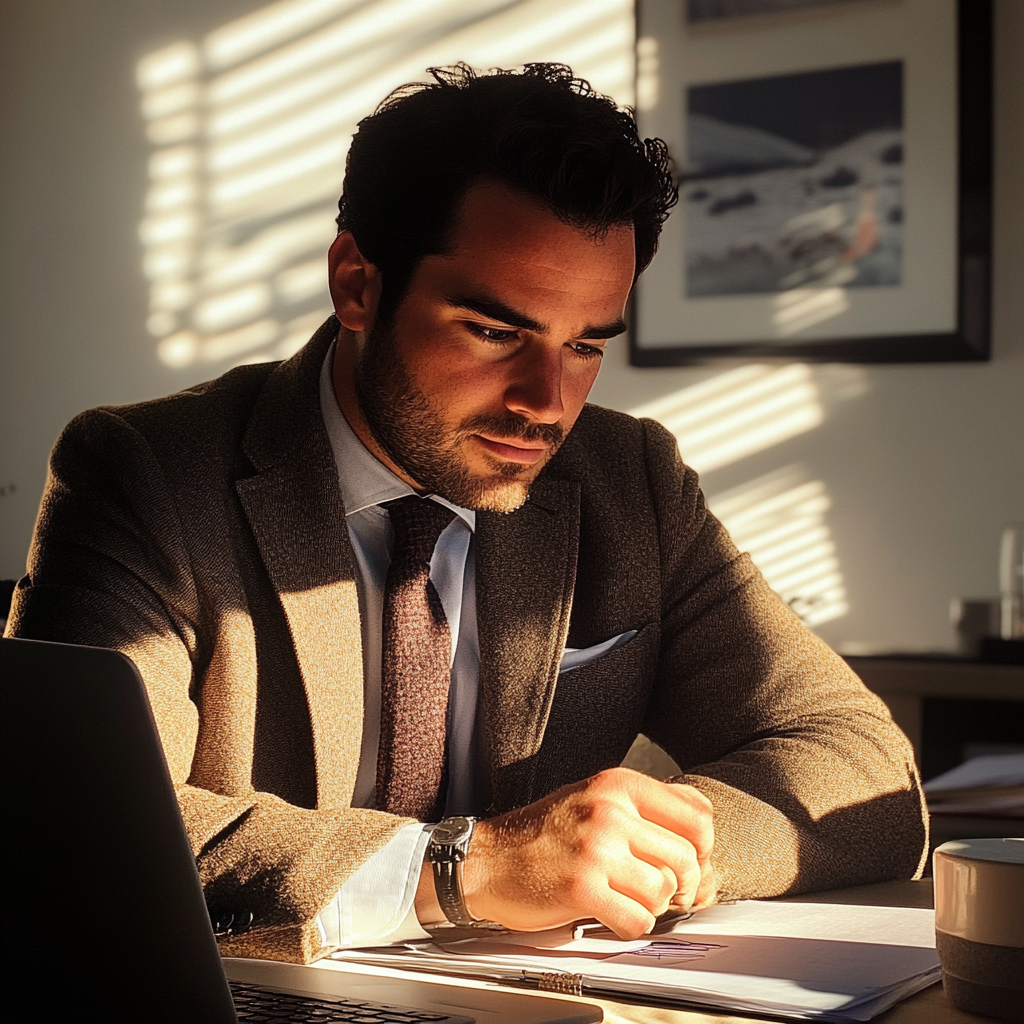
x,y
940,678
929,1006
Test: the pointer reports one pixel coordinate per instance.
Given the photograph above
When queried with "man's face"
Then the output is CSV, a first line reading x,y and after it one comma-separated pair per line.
x,y
491,355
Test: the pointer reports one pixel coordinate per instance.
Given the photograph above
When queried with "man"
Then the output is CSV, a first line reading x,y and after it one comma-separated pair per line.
x,y
408,574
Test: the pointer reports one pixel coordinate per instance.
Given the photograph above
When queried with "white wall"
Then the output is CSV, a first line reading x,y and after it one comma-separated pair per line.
x,y
921,466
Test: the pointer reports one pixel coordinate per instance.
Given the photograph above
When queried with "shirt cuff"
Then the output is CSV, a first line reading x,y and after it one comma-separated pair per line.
x,y
376,905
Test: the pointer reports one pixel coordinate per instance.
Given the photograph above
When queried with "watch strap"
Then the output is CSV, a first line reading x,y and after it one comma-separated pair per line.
x,y
448,886
446,859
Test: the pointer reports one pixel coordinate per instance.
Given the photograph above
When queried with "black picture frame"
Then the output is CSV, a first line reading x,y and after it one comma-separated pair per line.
x,y
970,341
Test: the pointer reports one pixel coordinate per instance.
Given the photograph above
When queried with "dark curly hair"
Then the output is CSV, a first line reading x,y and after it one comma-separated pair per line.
x,y
540,131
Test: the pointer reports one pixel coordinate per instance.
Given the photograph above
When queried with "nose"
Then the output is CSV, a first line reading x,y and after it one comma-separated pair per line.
x,y
536,389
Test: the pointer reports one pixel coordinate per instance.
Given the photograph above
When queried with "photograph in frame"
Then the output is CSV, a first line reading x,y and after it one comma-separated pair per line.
x,y
795,180
834,167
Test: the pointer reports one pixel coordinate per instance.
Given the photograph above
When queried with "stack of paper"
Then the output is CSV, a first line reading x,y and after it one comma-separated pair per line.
x,y
806,961
992,785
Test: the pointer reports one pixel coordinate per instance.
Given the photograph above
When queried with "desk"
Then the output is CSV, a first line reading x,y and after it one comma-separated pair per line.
x,y
929,1006
904,682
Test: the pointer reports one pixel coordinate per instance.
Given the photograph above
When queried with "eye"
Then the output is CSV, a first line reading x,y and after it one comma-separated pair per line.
x,y
499,335
581,348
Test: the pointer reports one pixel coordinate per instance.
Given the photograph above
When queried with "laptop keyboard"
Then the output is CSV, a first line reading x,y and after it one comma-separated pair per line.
x,y
254,1004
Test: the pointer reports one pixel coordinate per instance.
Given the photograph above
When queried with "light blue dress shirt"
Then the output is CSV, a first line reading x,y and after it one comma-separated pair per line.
x,y
375,903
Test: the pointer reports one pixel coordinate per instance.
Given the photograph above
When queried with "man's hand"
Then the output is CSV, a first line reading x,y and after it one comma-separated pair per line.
x,y
620,847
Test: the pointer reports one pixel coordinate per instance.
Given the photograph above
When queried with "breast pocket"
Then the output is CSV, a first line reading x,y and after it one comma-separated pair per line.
x,y
598,708
575,657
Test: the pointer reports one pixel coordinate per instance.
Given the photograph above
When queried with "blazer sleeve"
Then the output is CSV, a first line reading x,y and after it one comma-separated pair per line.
x,y
109,567
813,785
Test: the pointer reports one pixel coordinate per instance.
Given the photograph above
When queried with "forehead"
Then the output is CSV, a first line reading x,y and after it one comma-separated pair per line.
x,y
504,241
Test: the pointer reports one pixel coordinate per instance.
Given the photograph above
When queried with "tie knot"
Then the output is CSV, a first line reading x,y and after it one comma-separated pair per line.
x,y
417,523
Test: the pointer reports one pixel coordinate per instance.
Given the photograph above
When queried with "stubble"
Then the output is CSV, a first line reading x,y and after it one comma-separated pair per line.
x,y
416,437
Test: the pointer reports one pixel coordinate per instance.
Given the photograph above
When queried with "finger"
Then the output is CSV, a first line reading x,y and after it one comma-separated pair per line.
x,y
645,884
624,916
662,848
707,892
679,808
689,886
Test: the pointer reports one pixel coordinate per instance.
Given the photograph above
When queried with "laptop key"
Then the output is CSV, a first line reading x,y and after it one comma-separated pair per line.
x,y
264,1006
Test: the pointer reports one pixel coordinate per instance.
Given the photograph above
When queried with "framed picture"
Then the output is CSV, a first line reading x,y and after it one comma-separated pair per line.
x,y
834,160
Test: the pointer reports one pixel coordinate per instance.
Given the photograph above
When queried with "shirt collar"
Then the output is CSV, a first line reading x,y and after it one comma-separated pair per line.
x,y
365,480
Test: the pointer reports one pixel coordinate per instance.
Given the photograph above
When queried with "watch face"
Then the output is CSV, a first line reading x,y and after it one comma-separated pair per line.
x,y
452,830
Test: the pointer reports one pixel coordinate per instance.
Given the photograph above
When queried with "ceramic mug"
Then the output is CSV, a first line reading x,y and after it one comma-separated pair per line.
x,y
979,924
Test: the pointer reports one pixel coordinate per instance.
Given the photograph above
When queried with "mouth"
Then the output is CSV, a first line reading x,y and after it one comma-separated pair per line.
x,y
527,454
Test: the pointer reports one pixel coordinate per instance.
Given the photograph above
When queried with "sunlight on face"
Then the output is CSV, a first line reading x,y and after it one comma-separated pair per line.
x,y
492,353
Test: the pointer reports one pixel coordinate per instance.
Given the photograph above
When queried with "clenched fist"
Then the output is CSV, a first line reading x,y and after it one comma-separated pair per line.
x,y
620,847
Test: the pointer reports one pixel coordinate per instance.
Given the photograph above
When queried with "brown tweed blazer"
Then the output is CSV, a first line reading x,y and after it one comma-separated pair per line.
x,y
203,534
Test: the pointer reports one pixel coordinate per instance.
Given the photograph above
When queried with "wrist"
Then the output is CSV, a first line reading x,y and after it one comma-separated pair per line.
x,y
428,910
476,891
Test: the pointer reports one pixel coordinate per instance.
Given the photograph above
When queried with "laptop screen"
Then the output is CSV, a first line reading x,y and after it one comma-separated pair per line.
x,y
103,909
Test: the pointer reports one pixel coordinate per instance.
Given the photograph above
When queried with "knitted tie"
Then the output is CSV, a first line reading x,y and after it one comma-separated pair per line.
x,y
416,667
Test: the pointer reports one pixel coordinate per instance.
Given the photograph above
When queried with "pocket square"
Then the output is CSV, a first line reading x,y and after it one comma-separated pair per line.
x,y
574,657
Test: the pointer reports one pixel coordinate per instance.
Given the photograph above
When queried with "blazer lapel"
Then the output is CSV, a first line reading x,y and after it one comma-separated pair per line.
x,y
525,574
295,510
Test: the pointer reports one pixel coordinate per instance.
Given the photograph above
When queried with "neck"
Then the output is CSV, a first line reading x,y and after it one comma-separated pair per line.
x,y
346,352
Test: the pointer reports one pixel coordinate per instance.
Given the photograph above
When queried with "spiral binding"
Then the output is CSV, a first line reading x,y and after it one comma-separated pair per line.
x,y
564,984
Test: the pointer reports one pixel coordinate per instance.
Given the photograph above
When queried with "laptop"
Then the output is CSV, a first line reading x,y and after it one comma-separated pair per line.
x,y
103,913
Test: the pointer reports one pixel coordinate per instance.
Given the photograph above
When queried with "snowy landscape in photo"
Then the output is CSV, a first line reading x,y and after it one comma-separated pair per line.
x,y
795,181
717,10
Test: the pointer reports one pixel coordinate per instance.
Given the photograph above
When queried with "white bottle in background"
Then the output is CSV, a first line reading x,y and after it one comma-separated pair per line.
x,y
1011,583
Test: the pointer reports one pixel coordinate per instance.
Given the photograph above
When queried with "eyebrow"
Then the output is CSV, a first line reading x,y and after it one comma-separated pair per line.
x,y
498,310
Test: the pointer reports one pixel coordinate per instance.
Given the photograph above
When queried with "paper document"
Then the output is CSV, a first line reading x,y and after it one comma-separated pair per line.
x,y
806,961
991,785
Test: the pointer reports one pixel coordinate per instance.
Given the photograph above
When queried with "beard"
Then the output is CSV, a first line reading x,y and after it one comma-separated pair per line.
x,y
415,435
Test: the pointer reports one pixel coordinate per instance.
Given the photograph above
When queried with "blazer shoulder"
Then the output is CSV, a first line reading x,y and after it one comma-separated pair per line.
x,y
601,434
196,411
599,428
192,433
617,458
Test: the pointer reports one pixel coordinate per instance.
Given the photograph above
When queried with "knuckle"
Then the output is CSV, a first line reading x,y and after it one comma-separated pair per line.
x,y
670,882
690,881
634,926
703,803
602,814
609,779
603,850
625,779
612,815
685,856
695,796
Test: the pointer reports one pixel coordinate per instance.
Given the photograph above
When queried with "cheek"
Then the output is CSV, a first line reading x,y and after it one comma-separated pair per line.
x,y
463,386
576,386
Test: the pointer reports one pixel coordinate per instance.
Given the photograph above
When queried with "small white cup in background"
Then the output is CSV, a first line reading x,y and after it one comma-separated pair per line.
x,y
979,924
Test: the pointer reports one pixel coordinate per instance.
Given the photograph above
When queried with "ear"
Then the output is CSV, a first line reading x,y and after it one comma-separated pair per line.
x,y
355,283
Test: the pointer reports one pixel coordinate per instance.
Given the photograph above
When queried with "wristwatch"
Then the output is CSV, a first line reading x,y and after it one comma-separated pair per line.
x,y
449,843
